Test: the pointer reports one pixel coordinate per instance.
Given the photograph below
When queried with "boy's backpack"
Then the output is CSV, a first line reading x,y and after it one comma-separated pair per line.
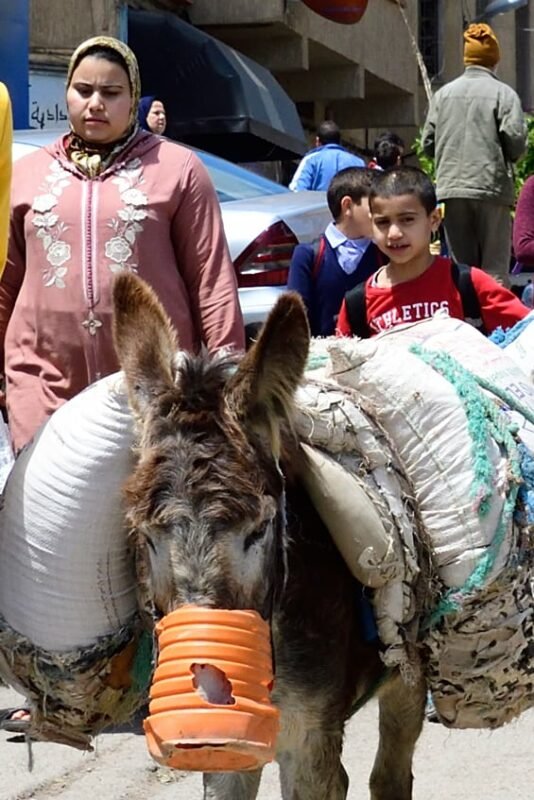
x,y
355,302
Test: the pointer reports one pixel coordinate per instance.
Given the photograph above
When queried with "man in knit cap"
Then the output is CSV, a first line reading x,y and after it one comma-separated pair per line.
x,y
476,129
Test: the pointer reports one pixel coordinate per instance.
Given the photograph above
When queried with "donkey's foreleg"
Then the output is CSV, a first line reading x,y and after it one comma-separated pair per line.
x,y
402,712
231,785
314,771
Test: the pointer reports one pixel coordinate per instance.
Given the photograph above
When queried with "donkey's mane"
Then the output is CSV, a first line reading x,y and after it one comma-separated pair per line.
x,y
201,381
196,402
198,443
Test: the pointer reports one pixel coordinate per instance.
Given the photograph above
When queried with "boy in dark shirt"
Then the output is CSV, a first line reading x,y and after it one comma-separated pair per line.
x,y
345,255
414,284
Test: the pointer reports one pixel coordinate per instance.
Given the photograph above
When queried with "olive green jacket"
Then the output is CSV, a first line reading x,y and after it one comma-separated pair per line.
x,y
475,129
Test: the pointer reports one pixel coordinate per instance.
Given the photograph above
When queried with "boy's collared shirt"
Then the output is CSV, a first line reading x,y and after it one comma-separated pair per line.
x,y
349,252
421,297
323,289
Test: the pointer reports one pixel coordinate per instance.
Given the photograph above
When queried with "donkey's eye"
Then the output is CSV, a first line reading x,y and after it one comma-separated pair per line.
x,y
150,544
254,537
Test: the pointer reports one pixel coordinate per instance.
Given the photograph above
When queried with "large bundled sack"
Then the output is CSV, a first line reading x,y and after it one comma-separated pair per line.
x,y
422,382
500,373
478,654
458,414
70,636
358,487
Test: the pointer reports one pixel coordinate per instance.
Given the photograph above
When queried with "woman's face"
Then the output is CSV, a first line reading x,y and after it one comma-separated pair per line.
x,y
156,118
99,100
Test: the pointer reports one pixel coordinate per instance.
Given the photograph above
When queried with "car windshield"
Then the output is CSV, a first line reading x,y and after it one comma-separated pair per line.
x,y
233,182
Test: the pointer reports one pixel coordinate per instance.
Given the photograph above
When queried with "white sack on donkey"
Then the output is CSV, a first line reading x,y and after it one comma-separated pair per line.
x,y
69,632
459,414
460,485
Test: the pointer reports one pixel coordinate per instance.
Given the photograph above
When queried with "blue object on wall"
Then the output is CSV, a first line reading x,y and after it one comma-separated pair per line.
x,y
14,49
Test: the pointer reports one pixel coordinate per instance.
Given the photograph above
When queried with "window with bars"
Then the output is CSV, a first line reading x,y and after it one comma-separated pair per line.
x,y
430,34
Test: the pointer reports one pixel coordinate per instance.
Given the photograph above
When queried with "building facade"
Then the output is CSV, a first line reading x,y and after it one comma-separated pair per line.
x,y
364,76
350,73
441,24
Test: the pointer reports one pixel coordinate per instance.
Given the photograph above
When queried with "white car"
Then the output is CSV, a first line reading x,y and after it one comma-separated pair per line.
x,y
263,222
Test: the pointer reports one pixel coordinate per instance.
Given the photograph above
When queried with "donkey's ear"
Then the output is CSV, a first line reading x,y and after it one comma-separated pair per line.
x,y
265,383
145,341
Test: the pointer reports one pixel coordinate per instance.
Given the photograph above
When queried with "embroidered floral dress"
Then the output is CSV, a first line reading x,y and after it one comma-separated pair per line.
x,y
155,212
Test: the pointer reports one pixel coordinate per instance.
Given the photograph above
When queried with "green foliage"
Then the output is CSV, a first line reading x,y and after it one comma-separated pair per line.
x,y
525,166
426,162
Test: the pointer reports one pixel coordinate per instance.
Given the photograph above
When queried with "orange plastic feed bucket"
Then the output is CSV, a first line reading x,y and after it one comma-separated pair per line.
x,y
210,707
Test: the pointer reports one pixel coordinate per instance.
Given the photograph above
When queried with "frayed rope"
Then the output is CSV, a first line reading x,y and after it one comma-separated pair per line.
x,y
503,338
485,421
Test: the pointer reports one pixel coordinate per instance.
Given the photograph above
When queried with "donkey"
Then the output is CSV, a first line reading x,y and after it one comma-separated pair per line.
x,y
216,511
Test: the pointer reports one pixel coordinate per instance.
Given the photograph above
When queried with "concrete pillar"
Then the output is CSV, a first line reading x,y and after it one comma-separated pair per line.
x,y
523,59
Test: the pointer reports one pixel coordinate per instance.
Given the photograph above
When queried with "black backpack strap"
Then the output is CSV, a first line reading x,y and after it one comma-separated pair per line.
x,y
356,305
461,277
318,254
355,302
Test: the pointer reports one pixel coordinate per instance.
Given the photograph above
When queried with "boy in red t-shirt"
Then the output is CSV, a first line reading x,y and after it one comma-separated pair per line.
x,y
414,284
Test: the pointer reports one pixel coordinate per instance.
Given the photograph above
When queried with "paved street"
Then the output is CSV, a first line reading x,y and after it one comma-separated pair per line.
x,y
462,765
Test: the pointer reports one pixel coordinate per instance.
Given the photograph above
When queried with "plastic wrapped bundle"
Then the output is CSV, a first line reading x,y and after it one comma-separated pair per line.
x,y
70,637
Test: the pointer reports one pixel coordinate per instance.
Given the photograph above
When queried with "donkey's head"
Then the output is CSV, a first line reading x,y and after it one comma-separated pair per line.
x,y
205,501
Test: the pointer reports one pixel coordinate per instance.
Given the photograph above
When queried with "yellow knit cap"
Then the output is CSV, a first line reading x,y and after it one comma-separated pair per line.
x,y
481,46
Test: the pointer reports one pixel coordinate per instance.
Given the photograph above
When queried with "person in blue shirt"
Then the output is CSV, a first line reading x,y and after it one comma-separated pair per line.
x,y
319,166
345,255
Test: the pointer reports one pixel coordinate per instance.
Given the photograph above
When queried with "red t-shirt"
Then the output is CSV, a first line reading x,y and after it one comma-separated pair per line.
x,y
434,289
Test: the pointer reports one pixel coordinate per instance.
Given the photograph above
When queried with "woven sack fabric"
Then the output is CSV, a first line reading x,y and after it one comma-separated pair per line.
x,y
425,419
66,576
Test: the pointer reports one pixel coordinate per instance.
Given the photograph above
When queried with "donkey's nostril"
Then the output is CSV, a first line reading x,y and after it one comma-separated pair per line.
x,y
212,684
